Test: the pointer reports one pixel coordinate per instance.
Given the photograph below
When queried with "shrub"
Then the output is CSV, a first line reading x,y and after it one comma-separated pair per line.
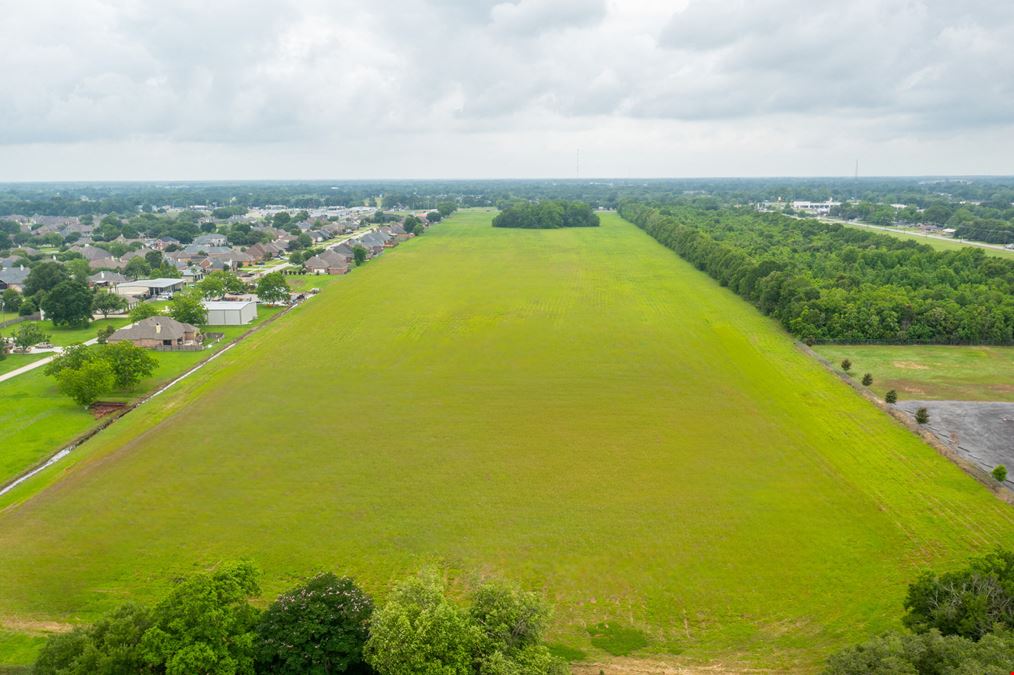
x,y
320,627
846,365
891,396
968,602
922,416
929,653
1000,473
111,645
867,380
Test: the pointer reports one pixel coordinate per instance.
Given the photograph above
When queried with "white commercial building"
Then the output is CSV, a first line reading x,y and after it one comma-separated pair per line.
x,y
230,312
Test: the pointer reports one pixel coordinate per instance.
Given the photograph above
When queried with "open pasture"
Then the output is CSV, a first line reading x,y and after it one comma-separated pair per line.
x,y
579,410
931,372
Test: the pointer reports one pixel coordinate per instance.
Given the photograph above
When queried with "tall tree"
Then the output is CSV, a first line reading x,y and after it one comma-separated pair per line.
x,y
69,303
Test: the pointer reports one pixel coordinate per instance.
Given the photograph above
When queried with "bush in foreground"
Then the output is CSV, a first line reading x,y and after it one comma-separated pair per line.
x,y
419,630
922,416
891,396
926,654
320,627
999,473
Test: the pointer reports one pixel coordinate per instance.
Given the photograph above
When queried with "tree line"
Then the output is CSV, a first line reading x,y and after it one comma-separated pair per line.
x,y
546,214
829,283
208,624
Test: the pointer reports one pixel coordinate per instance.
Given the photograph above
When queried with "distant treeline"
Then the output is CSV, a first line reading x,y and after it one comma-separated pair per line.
x,y
829,283
546,215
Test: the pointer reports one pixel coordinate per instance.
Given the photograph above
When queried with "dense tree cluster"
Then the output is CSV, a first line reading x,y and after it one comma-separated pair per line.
x,y
547,214
828,283
87,372
961,622
207,624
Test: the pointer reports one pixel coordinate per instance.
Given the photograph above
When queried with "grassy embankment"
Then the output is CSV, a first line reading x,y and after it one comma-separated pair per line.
x,y
36,420
579,410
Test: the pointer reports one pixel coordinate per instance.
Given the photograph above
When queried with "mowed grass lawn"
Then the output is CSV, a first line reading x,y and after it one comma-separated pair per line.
x,y
931,372
577,410
36,420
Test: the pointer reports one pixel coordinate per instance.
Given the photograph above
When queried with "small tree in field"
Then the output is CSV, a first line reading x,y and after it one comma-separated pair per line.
x,y
1000,473
922,416
103,334
867,380
87,383
891,396
846,365
106,303
28,334
129,363
143,310
273,288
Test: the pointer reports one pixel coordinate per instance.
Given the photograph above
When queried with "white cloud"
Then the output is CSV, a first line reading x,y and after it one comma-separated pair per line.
x,y
90,88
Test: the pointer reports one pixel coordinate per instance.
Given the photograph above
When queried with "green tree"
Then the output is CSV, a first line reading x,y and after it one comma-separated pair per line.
x,y
846,365
359,255
28,334
320,627
218,283
11,300
512,623
137,268
969,602
419,630
891,396
106,303
867,379
273,288
69,303
434,217
928,653
281,219
922,415
108,647
206,624
79,269
154,259
143,310
103,334
187,307
129,363
999,473
86,384
45,276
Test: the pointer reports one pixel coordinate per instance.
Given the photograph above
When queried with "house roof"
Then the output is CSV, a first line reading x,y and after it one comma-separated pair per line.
x,y
154,328
14,275
155,283
109,277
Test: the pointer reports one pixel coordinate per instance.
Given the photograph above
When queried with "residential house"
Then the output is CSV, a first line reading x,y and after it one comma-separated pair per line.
x,y
328,262
14,277
106,279
212,239
159,332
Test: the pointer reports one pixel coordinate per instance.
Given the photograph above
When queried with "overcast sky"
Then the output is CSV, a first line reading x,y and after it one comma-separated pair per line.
x,y
220,89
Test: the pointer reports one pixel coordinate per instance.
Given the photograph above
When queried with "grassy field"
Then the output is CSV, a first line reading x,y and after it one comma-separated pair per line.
x,y
15,361
63,336
931,372
36,420
579,410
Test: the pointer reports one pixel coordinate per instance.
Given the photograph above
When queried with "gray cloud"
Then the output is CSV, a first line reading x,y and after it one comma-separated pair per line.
x,y
413,75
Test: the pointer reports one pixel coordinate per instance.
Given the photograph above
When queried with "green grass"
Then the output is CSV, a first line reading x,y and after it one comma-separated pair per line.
x,y
15,361
616,639
577,410
36,420
19,649
931,372
304,282
63,336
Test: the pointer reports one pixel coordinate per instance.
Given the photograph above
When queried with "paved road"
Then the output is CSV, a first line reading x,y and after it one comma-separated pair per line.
x,y
967,242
